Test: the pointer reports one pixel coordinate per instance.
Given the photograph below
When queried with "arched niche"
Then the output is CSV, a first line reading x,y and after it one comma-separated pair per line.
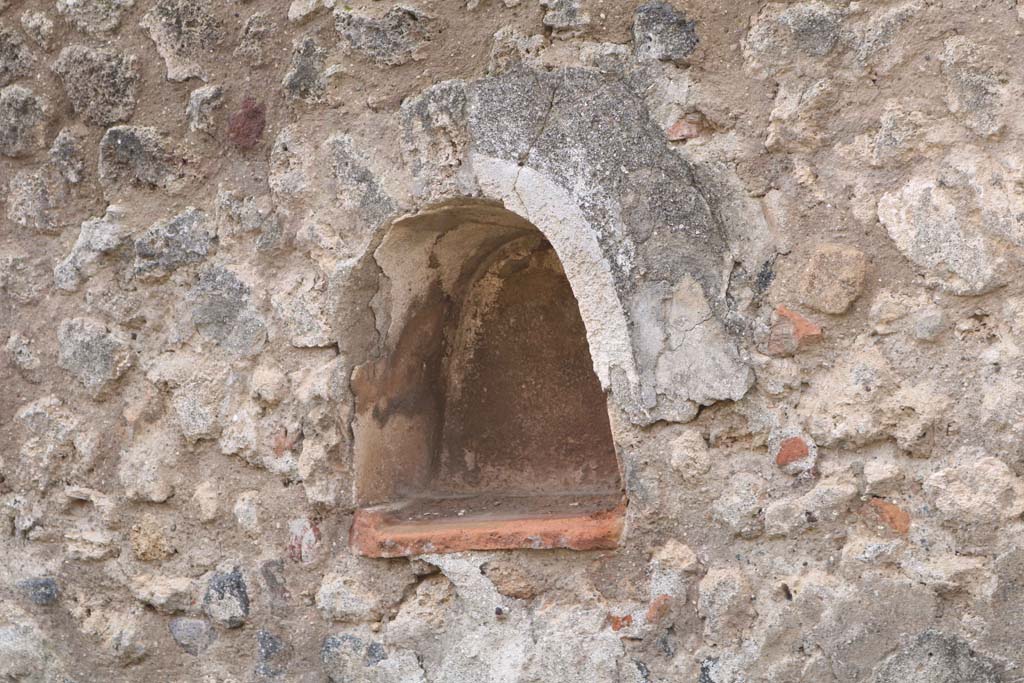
x,y
482,425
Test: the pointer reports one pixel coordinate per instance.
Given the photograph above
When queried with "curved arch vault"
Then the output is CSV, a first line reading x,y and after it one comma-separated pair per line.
x,y
482,425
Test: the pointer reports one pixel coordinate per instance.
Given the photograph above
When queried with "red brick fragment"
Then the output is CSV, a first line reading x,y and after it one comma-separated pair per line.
x,y
792,450
893,516
658,608
790,332
245,126
619,623
690,126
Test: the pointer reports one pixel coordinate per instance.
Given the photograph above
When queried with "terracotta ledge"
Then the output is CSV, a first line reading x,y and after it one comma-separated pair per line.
x,y
423,526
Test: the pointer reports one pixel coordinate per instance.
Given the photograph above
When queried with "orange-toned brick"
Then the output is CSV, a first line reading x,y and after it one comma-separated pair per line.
x,y
658,608
893,516
791,450
619,623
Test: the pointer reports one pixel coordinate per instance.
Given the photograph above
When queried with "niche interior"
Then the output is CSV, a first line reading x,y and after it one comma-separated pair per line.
x,y
482,424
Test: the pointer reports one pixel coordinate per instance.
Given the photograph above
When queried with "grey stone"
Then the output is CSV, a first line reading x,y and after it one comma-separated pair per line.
x,y
193,635
975,91
221,312
170,244
21,277
343,657
182,31
92,16
304,79
135,155
25,655
227,599
95,355
39,28
15,59
257,29
814,27
66,156
33,199
201,105
661,32
41,591
564,16
935,657
391,40
272,655
100,83
97,237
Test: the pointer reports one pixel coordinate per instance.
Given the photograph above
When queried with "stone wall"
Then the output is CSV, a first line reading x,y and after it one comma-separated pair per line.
x,y
794,234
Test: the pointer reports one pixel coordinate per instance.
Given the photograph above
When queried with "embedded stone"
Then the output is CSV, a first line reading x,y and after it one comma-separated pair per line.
x,y
977,490
834,278
16,60
202,103
33,200
94,354
227,598
136,155
936,657
25,655
171,244
194,636
257,29
564,16
96,238
974,89
39,27
740,506
183,31
101,83
273,655
391,40
663,33
223,313
94,17
724,601
22,121
304,79
147,467
165,594
40,591
66,156
362,590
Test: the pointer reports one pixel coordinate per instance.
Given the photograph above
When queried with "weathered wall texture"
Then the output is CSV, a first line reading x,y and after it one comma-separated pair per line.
x,y
794,231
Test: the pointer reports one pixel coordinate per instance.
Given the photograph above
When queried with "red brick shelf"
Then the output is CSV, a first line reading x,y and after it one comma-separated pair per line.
x,y
423,526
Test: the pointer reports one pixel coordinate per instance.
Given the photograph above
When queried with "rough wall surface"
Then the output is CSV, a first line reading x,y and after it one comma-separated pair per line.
x,y
794,232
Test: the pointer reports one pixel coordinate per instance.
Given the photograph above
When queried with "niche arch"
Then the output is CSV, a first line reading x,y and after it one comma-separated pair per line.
x,y
483,423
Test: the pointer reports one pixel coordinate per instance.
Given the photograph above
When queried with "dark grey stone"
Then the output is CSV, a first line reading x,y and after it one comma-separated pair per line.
x,y
272,655
100,83
15,59
41,591
305,78
22,121
227,598
168,245
137,156
391,40
661,32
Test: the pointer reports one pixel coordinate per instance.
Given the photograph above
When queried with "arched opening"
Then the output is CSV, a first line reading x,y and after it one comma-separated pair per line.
x,y
482,425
